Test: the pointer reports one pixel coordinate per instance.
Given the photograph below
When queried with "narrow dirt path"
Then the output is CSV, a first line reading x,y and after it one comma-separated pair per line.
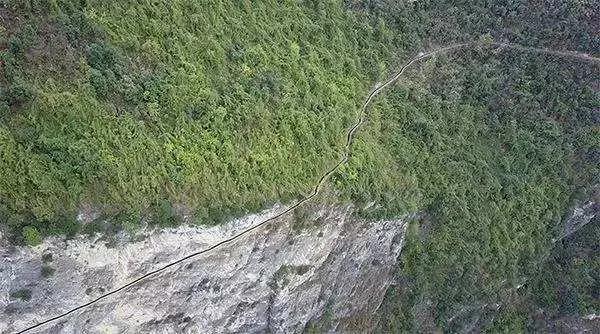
x,y
345,156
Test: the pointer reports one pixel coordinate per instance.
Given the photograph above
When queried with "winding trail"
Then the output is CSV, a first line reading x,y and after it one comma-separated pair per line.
x,y
345,156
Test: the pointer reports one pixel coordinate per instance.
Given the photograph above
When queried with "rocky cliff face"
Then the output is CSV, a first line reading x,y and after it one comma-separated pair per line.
x,y
321,269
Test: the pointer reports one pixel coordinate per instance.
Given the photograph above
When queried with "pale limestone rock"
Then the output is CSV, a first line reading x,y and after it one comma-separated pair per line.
x,y
277,279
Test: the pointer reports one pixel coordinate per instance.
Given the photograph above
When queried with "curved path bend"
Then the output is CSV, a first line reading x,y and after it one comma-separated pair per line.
x,y
345,156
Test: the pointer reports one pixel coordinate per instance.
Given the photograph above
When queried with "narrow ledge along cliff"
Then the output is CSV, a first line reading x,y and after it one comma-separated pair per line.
x,y
319,268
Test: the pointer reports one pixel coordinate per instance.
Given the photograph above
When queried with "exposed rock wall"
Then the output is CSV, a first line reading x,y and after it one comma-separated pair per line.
x,y
321,269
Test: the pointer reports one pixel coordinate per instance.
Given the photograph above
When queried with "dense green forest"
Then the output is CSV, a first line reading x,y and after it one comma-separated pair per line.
x,y
140,108
494,146
222,107
496,152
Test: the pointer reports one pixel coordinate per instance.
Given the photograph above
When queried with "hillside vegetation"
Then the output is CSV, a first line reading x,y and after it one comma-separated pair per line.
x,y
145,110
494,146
496,152
135,107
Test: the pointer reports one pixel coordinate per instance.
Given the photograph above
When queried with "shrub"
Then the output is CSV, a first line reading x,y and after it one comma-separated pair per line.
x,y
16,45
102,56
19,93
4,109
31,236
22,294
166,215
100,83
47,271
47,257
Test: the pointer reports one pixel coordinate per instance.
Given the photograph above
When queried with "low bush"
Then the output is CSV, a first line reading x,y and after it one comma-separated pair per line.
x,y
22,294
31,236
47,271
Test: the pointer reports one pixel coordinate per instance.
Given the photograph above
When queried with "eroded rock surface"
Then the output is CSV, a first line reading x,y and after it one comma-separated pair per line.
x,y
318,269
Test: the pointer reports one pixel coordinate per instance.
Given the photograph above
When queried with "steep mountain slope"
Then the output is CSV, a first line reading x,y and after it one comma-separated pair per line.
x,y
221,108
115,115
311,270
